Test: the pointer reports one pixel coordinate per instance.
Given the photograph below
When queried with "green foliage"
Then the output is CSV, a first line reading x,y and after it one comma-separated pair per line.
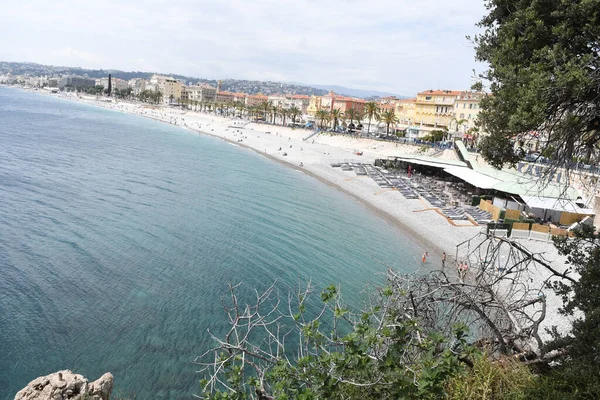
x,y
580,366
382,353
371,110
506,378
544,63
435,136
388,117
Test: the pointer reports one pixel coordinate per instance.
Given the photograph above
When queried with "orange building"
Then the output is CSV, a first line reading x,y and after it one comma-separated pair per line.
x,y
255,99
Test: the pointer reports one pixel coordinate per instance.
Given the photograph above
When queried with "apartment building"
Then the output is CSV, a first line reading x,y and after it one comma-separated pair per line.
x,y
75,81
466,110
171,90
203,93
256,99
137,85
434,109
225,97
314,104
405,111
333,101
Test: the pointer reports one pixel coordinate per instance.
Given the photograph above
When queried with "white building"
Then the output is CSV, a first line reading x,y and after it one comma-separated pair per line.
x,y
138,85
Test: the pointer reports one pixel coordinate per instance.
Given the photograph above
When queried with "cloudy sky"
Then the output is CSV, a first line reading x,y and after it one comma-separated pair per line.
x,y
400,46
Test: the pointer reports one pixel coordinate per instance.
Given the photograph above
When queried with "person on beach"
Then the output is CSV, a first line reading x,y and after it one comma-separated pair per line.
x,y
462,269
424,257
443,259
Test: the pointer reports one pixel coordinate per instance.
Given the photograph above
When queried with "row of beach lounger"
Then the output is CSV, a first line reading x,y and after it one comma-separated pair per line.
x,y
412,189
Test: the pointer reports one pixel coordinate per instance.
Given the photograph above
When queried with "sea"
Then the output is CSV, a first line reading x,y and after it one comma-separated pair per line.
x,y
119,236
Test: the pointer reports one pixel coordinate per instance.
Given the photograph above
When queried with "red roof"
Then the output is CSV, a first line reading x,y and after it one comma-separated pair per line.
x,y
441,92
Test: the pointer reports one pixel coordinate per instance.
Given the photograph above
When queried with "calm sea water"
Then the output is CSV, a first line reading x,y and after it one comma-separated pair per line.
x,y
118,235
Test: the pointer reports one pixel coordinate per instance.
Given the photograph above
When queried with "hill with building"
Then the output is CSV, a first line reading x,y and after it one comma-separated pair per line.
x,y
231,85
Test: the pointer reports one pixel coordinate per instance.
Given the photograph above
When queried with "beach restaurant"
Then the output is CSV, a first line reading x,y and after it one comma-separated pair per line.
x,y
512,193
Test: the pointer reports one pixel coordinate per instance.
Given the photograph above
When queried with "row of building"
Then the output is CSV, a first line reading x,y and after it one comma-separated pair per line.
x,y
455,111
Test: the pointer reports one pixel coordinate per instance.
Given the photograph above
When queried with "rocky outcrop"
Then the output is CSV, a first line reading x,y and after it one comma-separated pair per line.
x,y
63,385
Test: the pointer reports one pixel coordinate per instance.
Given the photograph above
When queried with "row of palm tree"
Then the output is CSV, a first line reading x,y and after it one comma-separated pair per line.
x,y
270,113
370,111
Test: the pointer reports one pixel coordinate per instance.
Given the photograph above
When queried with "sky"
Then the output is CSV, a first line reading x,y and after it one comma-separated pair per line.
x,y
397,46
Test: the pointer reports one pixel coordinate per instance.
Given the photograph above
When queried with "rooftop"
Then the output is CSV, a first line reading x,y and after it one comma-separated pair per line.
x,y
441,92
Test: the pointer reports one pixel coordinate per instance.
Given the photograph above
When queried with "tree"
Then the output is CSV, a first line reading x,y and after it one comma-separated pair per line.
x,y
265,106
409,342
240,107
383,352
284,113
544,71
335,116
353,114
372,111
322,116
580,364
294,112
434,136
458,123
388,117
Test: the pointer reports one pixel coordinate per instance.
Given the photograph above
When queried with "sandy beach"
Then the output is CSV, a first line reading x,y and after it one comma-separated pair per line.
x,y
427,228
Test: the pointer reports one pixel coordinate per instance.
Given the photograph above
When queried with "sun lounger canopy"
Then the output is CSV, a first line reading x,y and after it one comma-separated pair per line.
x,y
473,177
551,203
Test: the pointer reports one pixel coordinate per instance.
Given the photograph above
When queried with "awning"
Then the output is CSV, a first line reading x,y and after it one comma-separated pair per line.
x,y
420,162
551,203
429,163
473,177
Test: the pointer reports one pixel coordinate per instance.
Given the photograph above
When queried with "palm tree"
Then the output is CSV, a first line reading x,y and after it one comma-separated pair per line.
x,y
240,107
351,114
274,112
336,115
265,106
388,117
459,123
294,112
372,111
322,116
284,113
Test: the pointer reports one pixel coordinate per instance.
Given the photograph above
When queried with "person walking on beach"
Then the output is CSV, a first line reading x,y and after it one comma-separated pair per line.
x,y
462,269
443,259
424,257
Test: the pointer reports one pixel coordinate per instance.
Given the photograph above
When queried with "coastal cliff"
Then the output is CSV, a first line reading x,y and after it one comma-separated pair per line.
x,y
63,385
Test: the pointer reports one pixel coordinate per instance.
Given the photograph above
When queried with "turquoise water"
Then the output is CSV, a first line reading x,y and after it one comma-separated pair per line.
x,y
119,234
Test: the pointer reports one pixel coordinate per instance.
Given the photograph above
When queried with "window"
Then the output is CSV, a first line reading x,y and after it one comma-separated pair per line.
x,y
470,106
464,105
469,116
427,98
462,116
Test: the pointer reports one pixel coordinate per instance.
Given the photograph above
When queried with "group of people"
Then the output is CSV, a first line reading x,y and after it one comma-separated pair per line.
x,y
462,266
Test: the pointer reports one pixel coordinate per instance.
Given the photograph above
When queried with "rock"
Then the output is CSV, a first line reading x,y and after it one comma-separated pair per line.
x,y
65,385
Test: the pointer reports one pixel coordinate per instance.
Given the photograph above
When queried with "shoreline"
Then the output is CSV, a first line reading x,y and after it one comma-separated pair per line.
x,y
413,218
424,226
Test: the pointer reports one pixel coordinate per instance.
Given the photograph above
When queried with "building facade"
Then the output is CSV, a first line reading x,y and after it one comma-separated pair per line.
x,y
405,112
434,109
203,93
466,110
314,104
171,90
256,99
76,81
137,85
225,97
